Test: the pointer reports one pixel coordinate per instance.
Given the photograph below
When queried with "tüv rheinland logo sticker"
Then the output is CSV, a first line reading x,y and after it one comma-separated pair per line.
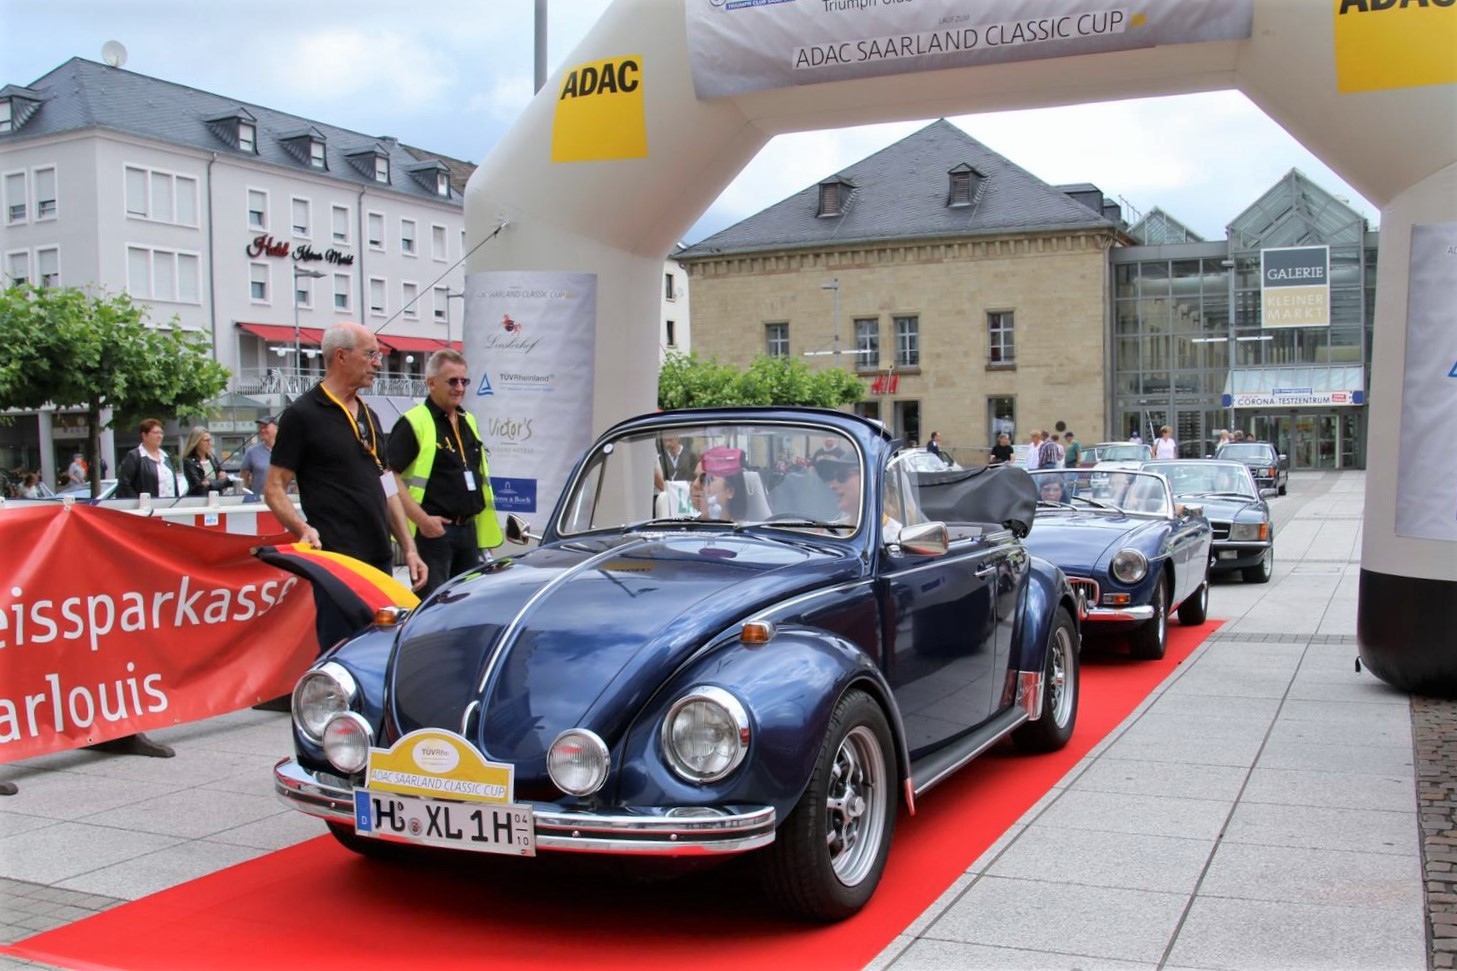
x,y
485,387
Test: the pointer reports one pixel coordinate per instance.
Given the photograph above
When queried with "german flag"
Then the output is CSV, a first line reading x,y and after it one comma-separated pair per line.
x,y
347,592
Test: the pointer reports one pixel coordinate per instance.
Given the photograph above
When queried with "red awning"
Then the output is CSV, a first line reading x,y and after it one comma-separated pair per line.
x,y
410,345
274,334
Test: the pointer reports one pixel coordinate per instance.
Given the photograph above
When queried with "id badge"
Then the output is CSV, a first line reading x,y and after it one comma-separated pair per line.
x,y
388,484
470,481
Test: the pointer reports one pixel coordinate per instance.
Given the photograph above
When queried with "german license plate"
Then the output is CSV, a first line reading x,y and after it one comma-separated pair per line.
x,y
474,826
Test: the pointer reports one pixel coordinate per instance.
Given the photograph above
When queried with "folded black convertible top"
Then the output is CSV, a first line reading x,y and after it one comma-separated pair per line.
x,y
1002,494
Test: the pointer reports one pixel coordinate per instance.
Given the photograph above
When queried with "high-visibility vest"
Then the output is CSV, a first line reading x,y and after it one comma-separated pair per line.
x,y
417,475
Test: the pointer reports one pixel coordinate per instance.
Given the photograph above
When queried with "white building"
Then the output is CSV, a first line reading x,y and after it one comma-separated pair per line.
x,y
249,224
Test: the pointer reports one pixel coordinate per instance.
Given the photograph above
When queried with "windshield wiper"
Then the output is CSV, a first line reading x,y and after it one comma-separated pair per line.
x,y
1095,502
795,524
1200,495
680,521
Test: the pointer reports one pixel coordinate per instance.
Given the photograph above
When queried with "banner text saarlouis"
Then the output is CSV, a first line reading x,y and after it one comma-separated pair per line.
x,y
112,624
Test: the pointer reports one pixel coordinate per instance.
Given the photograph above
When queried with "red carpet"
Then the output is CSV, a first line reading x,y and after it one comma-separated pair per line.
x,y
316,903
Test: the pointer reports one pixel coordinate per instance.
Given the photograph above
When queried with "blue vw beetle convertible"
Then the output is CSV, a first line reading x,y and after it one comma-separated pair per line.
x,y
742,630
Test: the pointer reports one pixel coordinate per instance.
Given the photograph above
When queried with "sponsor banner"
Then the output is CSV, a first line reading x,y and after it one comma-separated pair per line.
x,y
1295,288
1383,44
1293,398
532,337
599,112
736,46
1426,479
112,624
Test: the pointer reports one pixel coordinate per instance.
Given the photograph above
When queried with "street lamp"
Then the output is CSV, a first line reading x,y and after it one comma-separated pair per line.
x,y
299,273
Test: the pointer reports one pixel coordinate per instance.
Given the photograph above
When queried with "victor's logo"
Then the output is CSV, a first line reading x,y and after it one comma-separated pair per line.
x,y
509,325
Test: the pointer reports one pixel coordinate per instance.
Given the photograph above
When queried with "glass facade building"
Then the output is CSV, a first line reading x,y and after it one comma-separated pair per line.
x,y
1191,348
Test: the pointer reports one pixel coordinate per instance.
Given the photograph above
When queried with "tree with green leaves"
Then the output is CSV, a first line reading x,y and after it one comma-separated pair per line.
x,y
686,381
73,349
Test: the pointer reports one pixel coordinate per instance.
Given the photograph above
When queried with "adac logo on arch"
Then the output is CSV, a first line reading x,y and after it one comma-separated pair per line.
x,y
1384,44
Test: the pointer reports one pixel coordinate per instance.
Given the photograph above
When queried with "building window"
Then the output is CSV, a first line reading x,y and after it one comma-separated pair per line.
x,y
376,296
669,291
15,197
341,224
907,342
48,266
376,230
437,243
7,115
135,184
45,193
341,291
832,198
162,275
164,197
442,305
303,292
17,266
960,189
867,343
407,237
1001,348
382,170
670,328
301,218
409,297
316,153
257,209
776,339
1001,417
442,184
258,282
247,137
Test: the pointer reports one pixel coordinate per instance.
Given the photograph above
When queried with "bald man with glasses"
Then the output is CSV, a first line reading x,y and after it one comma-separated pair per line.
x,y
331,442
436,454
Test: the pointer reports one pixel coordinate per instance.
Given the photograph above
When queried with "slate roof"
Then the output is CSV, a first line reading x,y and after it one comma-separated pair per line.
x,y
901,192
83,94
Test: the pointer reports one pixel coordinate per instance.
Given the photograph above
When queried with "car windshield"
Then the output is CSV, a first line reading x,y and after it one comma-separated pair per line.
x,y
1128,491
1204,478
722,475
1247,453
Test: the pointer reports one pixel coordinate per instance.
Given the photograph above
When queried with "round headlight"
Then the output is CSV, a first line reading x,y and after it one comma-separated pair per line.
x,y
578,762
706,734
320,695
1129,566
346,742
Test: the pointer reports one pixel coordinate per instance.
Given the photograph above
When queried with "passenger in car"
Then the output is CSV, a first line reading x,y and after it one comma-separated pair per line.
x,y
719,491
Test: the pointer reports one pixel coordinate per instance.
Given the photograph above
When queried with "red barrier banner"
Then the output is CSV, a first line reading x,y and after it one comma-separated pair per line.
x,y
112,624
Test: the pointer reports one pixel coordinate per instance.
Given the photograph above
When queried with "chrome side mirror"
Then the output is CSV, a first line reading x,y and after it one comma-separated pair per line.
x,y
925,539
518,531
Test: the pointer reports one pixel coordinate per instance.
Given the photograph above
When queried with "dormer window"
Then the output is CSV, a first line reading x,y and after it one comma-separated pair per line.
x,y
247,137
306,145
316,153
7,116
442,184
17,104
965,184
382,170
237,128
834,196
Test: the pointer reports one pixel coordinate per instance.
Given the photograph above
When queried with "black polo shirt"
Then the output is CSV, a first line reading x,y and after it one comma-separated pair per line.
x,y
445,491
338,481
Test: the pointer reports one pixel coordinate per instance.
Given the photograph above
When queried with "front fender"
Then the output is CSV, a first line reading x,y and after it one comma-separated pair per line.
x,y
366,656
789,687
1046,590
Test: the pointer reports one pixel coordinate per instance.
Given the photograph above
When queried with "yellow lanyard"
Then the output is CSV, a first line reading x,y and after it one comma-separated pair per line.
x,y
455,427
354,426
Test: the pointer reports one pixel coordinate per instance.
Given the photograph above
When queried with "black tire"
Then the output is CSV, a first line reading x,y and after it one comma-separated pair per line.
x,y
1195,610
1150,640
1060,686
828,855
1262,571
1280,491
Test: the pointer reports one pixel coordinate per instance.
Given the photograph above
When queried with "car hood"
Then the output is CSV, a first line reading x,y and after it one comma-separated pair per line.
x,y
1081,542
581,634
1225,508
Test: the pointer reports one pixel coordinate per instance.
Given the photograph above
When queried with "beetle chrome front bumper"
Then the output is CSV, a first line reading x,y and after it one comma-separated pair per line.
x,y
1103,615
645,831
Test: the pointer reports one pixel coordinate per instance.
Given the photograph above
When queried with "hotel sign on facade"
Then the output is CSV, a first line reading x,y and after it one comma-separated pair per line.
x,y
1295,289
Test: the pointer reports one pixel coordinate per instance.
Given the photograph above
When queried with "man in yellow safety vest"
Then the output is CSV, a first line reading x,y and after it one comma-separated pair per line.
x,y
435,449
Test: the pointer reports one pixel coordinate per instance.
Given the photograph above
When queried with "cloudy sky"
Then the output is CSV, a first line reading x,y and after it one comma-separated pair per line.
x,y
451,75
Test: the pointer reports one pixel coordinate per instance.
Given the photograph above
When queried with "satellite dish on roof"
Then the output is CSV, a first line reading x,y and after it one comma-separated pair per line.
x,y
113,53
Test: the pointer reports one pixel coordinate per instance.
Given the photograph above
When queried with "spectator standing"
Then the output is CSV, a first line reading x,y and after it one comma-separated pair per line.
x,y
1034,450
1072,451
934,447
258,457
1164,447
1221,437
1134,437
1049,453
438,459
78,473
676,461
201,468
1238,435
30,486
1002,451
332,444
147,468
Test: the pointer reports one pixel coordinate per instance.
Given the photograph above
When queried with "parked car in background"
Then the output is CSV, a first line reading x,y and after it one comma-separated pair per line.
x,y
773,669
920,460
1244,534
82,490
1133,554
1270,468
1127,454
